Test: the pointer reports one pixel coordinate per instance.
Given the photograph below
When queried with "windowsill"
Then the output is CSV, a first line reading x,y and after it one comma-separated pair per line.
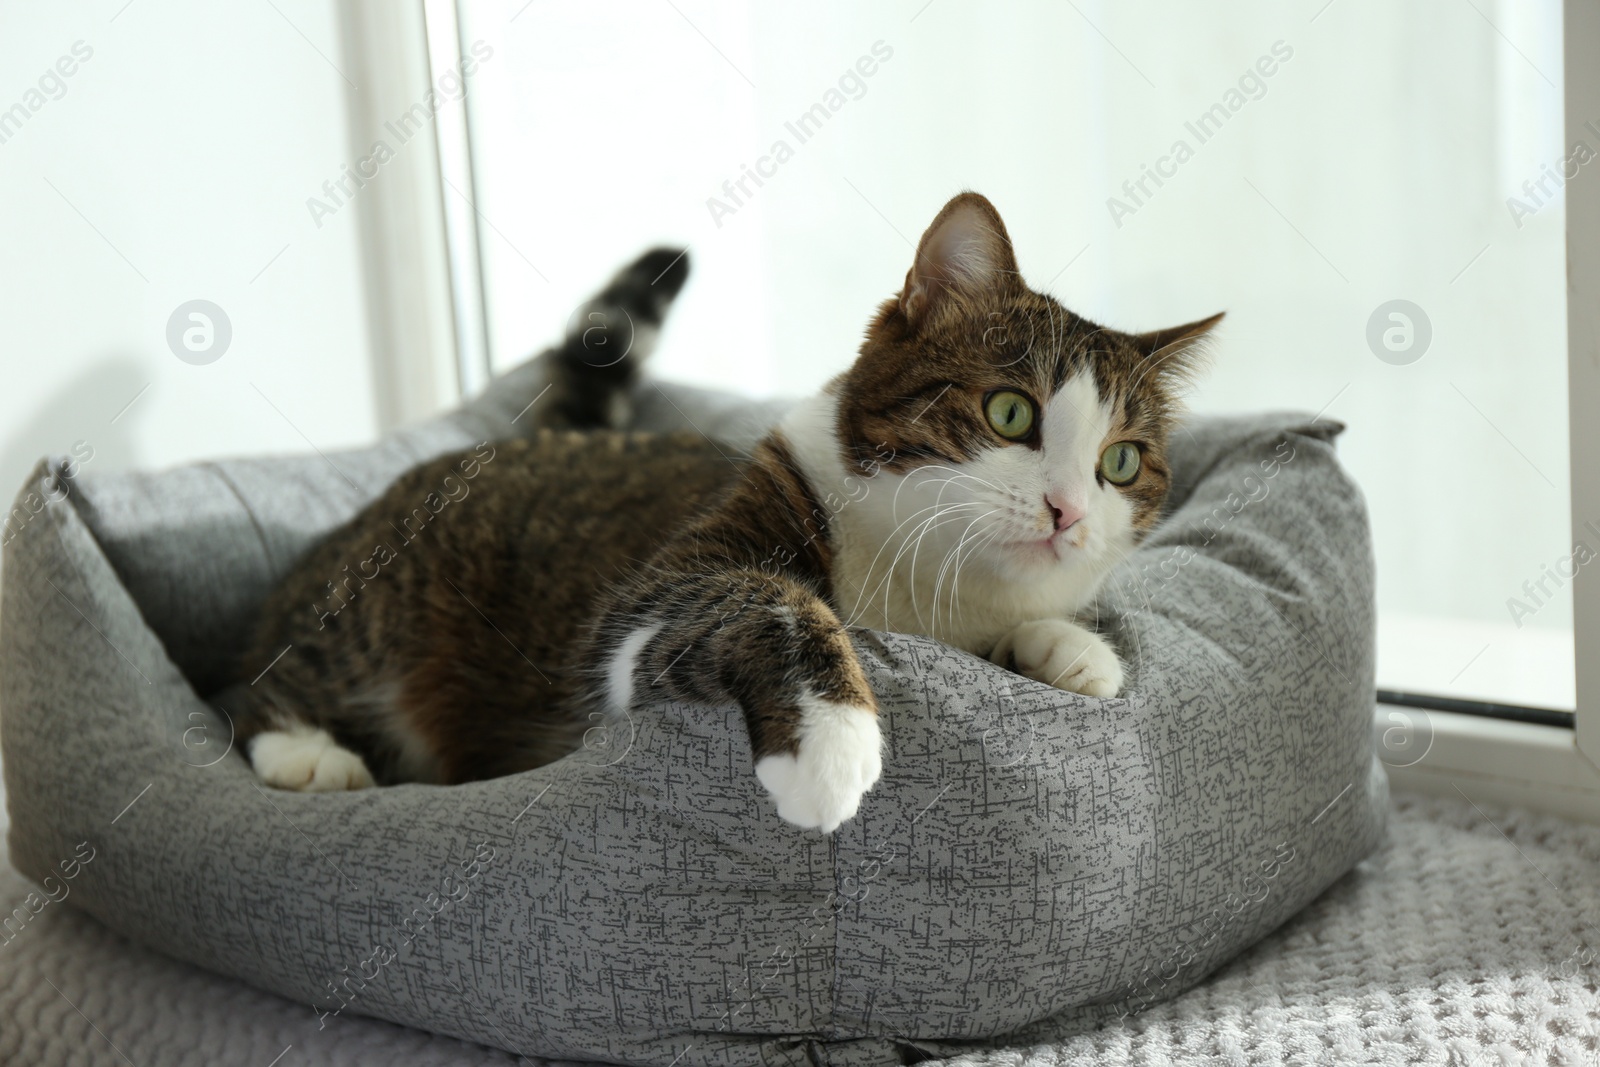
x,y
1498,761
1531,666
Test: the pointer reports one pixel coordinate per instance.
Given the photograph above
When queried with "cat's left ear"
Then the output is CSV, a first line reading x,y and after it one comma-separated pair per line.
x,y
1177,349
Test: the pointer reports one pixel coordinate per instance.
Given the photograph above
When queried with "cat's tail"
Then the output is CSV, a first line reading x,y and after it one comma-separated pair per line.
x,y
594,369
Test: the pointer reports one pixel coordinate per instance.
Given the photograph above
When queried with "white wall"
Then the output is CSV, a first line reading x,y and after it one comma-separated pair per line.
x,y
189,141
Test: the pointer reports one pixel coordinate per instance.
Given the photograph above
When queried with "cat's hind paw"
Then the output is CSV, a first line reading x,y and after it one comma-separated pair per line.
x,y
839,759
307,760
1063,654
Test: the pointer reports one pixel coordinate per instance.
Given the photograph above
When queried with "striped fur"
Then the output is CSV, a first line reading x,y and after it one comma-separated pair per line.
x,y
588,570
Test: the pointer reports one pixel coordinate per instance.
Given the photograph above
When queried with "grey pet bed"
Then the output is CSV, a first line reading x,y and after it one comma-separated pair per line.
x,y
1032,863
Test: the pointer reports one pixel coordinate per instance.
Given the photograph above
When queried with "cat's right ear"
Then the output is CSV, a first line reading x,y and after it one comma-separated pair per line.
x,y
965,256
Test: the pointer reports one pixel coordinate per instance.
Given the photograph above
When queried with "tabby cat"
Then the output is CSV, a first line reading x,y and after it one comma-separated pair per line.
x,y
973,476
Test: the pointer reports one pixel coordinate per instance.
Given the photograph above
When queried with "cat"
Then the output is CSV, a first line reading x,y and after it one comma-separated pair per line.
x,y
973,476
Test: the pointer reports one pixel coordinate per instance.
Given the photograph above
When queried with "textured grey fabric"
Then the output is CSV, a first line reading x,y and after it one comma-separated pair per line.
x,y
1467,940
1031,863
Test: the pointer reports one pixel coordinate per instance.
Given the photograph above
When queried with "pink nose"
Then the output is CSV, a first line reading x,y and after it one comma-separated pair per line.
x,y
1066,512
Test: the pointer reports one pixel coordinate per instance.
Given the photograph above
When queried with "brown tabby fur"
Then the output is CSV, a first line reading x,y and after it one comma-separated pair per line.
x,y
480,648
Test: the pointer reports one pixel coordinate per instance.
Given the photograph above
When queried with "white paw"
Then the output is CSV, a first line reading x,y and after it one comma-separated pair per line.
x,y
841,756
1062,654
307,760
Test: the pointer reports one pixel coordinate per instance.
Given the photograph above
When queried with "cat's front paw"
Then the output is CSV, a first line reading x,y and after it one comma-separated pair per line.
x,y
1062,654
839,759
307,760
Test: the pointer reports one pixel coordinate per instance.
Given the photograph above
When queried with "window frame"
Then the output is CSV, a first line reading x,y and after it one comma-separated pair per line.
x,y
1581,42
1548,768
406,272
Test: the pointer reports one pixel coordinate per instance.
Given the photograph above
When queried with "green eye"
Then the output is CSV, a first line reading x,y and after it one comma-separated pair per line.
x,y
1011,414
1120,463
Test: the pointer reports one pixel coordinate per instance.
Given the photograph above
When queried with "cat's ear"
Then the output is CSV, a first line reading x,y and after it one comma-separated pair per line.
x,y
1177,350
965,254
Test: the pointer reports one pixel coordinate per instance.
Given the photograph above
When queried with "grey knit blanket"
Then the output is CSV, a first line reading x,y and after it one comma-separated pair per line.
x,y
1472,938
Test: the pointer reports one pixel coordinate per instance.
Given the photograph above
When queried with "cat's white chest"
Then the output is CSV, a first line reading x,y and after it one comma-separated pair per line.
x,y
962,603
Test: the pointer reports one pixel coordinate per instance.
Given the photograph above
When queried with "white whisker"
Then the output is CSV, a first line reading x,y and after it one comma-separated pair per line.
x,y
955,555
888,540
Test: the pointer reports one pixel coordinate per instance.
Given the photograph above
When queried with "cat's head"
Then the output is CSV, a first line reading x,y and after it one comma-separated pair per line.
x,y
1008,429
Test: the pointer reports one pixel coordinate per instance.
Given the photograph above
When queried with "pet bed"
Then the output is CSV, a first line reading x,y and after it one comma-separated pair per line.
x,y
1029,857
